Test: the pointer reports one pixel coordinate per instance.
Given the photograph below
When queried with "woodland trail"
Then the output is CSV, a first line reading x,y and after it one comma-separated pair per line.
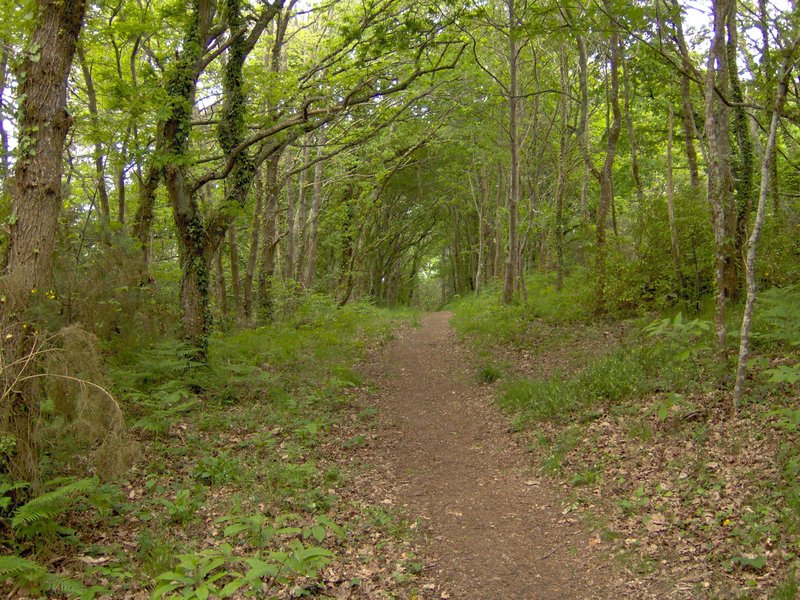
x,y
494,530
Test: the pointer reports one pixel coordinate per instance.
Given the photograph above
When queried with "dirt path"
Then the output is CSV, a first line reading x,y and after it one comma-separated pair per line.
x,y
495,531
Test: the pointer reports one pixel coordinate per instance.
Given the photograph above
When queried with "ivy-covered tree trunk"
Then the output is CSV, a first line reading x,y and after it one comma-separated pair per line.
x,y
145,214
4,140
195,305
36,199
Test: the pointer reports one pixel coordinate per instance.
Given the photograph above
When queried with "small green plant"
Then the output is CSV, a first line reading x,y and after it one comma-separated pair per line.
x,y
183,507
638,501
215,572
197,576
489,373
163,409
753,563
368,413
258,530
589,476
787,419
215,470
784,374
689,338
788,589
155,553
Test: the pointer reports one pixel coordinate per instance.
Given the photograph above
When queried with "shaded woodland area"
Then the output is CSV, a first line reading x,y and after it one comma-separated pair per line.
x,y
211,208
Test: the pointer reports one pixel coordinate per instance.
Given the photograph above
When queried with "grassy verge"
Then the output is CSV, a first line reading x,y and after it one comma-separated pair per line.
x,y
237,485
635,416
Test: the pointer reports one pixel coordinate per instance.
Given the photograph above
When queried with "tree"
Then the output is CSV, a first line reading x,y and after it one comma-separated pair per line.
x,y
36,198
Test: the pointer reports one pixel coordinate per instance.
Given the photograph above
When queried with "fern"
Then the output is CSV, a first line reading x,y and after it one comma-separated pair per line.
x,y
30,574
34,516
17,567
6,490
777,316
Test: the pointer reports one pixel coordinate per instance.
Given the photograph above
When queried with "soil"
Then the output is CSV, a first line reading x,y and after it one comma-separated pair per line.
x,y
443,454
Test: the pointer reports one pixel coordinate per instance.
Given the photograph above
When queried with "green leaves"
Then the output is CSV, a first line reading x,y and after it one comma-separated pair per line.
x,y
216,571
754,563
784,374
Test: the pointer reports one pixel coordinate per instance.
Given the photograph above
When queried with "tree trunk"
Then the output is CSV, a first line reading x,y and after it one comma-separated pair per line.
x,y
743,166
750,262
563,140
291,241
98,156
222,290
689,127
236,282
252,258
270,245
512,258
313,217
604,175
121,207
36,199
673,229
301,219
720,178
583,71
637,179
689,131
145,214
4,149
479,206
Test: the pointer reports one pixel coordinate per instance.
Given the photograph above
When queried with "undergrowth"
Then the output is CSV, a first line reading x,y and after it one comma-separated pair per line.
x,y
638,412
231,490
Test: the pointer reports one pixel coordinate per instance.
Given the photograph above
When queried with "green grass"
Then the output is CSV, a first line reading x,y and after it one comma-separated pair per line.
x,y
486,318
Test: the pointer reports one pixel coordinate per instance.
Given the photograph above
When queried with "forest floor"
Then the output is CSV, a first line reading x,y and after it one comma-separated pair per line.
x,y
442,452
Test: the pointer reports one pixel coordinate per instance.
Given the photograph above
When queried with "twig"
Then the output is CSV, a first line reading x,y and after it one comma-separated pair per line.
x,y
549,554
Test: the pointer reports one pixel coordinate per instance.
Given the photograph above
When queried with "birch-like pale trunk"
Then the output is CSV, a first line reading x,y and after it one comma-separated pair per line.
x,y
752,242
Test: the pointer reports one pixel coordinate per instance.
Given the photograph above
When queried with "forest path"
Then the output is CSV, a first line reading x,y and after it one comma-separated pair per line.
x,y
444,455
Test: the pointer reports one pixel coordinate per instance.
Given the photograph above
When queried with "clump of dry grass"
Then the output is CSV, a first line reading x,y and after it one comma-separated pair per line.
x,y
64,373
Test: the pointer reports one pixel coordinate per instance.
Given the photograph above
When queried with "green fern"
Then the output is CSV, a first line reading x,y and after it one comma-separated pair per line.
x,y
33,576
16,567
6,489
37,515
